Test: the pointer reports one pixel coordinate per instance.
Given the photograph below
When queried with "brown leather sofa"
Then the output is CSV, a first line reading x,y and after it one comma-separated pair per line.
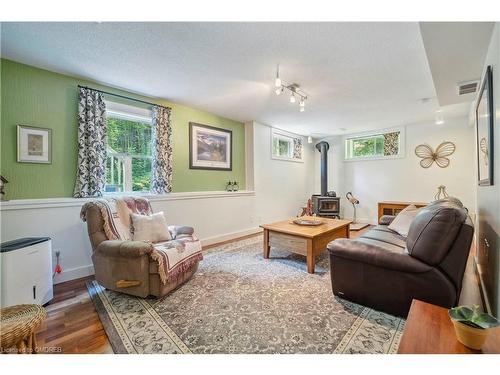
x,y
116,262
385,271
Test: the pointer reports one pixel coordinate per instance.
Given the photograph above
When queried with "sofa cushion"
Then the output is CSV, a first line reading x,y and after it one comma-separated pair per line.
x,y
434,230
401,223
384,237
151,228
362,251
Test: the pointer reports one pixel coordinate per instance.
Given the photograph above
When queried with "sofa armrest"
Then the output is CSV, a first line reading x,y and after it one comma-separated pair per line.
x,y
358,251
126,249
386,219
178,230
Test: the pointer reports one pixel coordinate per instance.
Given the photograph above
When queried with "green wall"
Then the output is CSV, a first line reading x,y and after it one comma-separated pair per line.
x,y
37,97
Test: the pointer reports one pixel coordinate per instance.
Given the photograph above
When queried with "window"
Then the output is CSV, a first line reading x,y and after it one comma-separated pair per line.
x,y
286,146
374,146
129,132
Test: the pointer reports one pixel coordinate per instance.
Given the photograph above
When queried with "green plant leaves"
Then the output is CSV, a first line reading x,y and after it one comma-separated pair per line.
x,y
486,321
472,317
461,313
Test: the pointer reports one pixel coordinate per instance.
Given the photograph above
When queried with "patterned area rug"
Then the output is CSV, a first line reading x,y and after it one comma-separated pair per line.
x,y
239,302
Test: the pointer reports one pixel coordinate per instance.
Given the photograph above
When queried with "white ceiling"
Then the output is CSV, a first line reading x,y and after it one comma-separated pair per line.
x,y
359,76
456,52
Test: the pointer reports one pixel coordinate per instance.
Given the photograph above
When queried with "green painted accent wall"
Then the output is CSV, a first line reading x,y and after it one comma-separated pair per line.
x,y
37,97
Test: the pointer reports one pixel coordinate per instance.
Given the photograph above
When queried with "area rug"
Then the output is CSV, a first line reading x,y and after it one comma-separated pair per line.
x,y
239,302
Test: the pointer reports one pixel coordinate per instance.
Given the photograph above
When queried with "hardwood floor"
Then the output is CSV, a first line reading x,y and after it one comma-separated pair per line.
x,y
72,324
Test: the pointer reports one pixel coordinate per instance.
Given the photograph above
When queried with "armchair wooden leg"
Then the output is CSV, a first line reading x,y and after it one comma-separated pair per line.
x,y
127,283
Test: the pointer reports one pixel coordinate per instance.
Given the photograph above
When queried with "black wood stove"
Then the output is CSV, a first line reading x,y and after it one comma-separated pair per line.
x,y
326,204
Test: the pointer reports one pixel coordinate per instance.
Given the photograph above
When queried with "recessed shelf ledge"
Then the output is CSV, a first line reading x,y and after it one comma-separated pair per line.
x,y
25,204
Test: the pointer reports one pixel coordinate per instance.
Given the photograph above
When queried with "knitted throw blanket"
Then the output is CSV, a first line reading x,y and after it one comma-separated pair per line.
x,y
174,257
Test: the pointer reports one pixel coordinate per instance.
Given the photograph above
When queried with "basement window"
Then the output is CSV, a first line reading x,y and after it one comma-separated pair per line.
x,y
129,150
380,145
286,146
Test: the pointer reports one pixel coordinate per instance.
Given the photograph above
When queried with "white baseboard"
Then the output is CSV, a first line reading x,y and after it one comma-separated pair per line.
x,y
229,236
74,273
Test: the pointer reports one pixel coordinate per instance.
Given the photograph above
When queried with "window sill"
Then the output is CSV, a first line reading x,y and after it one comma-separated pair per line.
x,y
370,158
25,204
283,158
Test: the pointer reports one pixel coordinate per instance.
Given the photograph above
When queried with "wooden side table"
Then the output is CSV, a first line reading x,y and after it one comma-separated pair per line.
x,y
17,327
393,208
429,330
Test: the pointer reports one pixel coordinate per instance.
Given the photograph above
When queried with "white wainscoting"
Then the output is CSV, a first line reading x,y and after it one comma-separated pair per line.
x,y
216,216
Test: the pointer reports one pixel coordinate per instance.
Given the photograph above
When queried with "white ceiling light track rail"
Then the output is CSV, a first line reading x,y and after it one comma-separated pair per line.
x,y
295,91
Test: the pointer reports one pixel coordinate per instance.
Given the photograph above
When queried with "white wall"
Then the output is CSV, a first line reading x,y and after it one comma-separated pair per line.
x,y
281,188
403,179
488,197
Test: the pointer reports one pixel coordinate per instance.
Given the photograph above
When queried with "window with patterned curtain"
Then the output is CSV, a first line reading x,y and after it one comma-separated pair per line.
x,y
375,145
287,146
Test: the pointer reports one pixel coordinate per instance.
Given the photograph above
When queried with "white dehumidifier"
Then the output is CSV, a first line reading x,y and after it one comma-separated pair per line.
x,y
26,271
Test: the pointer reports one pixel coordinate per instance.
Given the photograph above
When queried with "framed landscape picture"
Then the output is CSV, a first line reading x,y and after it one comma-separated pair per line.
x,y
210,147
34,144
484,129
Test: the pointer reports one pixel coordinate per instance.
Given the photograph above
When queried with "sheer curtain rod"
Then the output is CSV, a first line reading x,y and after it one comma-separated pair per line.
x,y
123,96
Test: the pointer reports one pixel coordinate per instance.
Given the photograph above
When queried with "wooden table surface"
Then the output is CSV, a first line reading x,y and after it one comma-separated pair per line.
x,y
287,226
429,330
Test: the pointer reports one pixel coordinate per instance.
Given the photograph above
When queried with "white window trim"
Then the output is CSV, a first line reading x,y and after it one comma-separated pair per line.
x,y
286,135
128,112
402,144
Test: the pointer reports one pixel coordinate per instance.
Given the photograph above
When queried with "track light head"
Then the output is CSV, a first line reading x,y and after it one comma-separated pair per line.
x,y
277,81
292,98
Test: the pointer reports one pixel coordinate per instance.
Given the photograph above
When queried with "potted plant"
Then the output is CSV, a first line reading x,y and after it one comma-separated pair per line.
x,y
472,327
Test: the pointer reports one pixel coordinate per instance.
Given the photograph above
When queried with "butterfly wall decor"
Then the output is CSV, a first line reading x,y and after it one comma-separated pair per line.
x,y
439,156
484,150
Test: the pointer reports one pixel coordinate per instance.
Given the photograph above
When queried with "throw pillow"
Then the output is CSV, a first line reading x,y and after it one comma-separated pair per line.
x,y
152,228
401,223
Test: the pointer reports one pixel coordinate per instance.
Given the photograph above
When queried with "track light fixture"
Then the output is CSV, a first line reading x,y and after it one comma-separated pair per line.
x,y
294,89
277,81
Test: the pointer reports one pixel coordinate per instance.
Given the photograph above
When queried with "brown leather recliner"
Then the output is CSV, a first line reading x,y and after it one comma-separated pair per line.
x,y
116,262
386,271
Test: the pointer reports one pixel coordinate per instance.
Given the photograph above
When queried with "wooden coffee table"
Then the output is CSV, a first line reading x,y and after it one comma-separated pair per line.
x,y
304,240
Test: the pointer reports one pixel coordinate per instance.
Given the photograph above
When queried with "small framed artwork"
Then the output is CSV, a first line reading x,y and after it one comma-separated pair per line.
x,y
210,147
484,129
34,145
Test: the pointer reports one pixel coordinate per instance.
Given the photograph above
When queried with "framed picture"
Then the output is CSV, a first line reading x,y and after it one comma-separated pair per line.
x,y
210,148
34,145
484,130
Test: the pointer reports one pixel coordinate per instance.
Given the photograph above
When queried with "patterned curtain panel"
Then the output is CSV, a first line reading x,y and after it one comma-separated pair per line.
x,y
162,151
297,148
91,173
391,143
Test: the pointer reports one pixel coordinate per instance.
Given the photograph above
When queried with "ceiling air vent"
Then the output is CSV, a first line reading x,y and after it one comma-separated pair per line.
x,y
465,88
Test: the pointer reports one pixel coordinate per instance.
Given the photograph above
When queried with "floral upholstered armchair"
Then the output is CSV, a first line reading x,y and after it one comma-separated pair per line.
x,y
140,268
